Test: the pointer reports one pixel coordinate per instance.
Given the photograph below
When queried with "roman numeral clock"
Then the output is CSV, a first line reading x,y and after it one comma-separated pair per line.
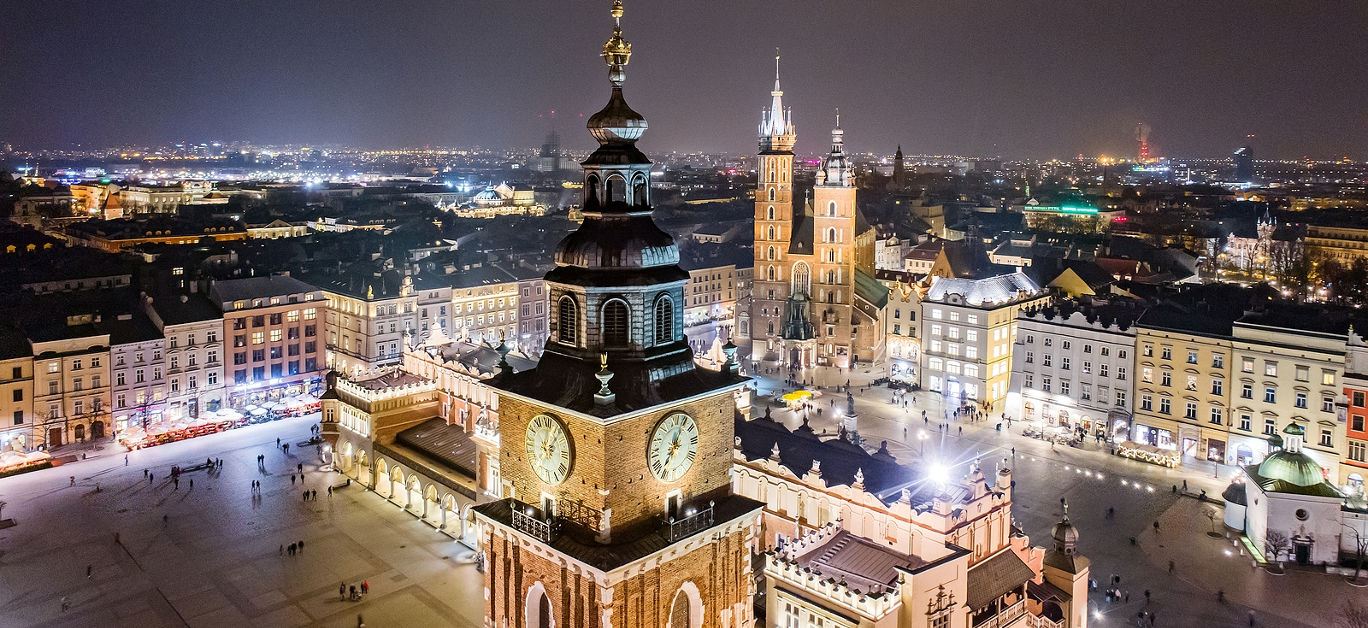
x,y
548,449
674,443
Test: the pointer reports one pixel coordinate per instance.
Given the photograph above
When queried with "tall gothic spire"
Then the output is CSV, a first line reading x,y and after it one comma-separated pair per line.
x,y
776,123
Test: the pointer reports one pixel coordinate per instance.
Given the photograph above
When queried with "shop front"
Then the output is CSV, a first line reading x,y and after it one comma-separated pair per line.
x,y
1153,436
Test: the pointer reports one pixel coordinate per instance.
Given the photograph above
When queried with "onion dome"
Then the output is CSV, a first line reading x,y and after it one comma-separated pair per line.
x,y
1291,465
1065,535
617,123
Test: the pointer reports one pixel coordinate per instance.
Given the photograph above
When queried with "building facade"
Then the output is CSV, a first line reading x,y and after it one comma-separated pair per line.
x,y
1073,369
18,428
1183,384
969,327
192,332
274,327
851,539
71,383
138,367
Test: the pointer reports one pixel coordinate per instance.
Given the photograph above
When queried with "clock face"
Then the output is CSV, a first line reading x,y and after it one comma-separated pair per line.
x,y
673,447
548,449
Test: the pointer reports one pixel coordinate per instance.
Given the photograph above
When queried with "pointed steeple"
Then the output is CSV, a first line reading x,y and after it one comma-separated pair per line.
x,y
776,123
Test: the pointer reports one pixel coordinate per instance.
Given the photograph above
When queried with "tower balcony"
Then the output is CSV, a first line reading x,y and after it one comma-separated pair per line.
x,y
579,530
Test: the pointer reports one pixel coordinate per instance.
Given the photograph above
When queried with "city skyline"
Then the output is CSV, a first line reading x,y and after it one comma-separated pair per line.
x,y
1030,83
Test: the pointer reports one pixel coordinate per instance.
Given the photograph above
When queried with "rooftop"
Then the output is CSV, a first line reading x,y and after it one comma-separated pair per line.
x,y
230,290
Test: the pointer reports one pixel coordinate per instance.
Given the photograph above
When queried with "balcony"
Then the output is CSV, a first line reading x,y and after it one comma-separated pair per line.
x,y
576,530
1008,617
691,523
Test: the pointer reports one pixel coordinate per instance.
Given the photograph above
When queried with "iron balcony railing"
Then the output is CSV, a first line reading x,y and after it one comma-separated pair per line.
x,y
691,523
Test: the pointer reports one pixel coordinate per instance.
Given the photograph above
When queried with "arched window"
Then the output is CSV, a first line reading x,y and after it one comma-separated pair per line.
x,y
615,317
639,187
771,194
679,612
831,234
769,213
802,279
617,189
769,274
831,208
591,189
771,233
537,613
769,253
664,320
569,319
831,255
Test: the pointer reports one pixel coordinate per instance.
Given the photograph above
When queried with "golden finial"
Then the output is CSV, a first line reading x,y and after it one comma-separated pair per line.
x,y
617,51
603,357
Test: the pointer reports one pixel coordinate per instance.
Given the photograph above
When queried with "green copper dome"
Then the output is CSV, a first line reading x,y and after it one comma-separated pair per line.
x,y
1297,469
1291,465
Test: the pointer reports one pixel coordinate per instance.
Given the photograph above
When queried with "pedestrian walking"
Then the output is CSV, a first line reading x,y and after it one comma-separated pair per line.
x,y
90,571
1251,619
277,442
144,472
125,460
365,587
313,494
176,481
1170,566
329,489
292,479
301,547
306,496
1147,596
342,591
282,549
73,481
351,591
67,604
1156,527
292,549
192,483
165,520
300,466
359,622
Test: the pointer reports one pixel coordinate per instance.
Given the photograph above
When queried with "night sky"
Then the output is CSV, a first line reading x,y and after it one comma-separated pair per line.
x,y
1018,79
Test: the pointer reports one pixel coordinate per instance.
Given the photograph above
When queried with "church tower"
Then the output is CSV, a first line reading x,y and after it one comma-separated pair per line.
x,y
615,451
834,226
772,283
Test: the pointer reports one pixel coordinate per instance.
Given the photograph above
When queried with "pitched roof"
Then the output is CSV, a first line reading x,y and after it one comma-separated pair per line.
x,y
863,565
990,579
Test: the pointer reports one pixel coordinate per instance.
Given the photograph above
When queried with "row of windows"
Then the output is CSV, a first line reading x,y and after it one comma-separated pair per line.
x,y
614,321
1068,345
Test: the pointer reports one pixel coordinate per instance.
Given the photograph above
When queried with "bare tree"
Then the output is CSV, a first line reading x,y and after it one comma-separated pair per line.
x,y
1352,615
1276,543
1361,543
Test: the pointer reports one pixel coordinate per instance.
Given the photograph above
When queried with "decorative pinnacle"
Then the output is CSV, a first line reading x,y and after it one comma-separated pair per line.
x,y
617,51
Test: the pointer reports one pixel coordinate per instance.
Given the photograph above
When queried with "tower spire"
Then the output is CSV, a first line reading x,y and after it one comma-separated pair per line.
x,y
776,123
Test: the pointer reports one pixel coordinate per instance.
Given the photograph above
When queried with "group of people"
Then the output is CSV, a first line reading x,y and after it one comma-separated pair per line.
x,y
352,592
294,548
